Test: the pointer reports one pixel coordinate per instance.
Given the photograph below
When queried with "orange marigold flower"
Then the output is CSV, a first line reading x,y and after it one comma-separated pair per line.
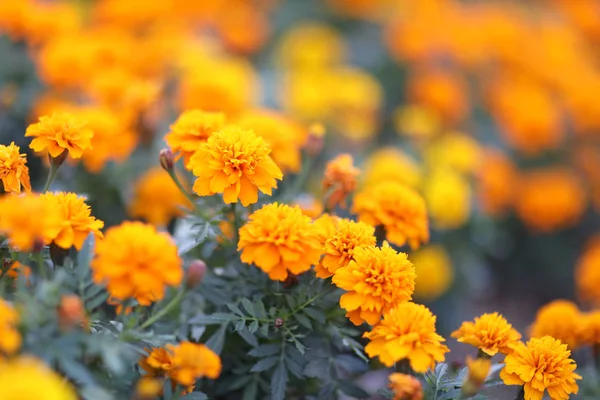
x,y
157,199
587,273
551,199
279,240
377,279
405,387
77,221
10,338
590,334
59,132
283,135
491,333
16,269
339,180
28,221
136,261
400,210
560,319
235,162
191,129
340,247
13,171
407,332
495,173
541,364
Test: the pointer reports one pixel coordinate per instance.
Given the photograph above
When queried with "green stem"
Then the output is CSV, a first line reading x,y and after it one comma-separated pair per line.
x,y
301,179
236,225
175,179
164,311
51,175
39,257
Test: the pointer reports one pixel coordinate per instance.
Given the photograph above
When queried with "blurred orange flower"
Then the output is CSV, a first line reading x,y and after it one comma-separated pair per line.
x,y
339,180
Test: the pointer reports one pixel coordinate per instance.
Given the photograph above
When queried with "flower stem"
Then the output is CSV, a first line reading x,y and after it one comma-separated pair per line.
x,y
51,175
39,257
164,311
301,179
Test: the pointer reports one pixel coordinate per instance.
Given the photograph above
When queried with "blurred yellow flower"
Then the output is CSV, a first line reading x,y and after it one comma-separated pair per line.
x,y
416,122
191,129
407,332
157,199
541,364
136,261
60,132
405,387
434,272
376,281
10,338
279,240
400,210
456,151
17,375
479,370
339,180
339,249
491,333
14,172
448,198
587,272
235,162
393,165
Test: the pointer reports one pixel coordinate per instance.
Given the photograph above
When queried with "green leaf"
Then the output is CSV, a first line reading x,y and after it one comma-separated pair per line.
x,y
387,393
95,393
260,309
293,367
279,382
235,309
352,390
449,395
265,350
291,301
301,348
264,330
250,393
240,325
84,257
213,319
253,327
195,396
77,372
249,307
248,337
265,364
303,320
315,314
217,340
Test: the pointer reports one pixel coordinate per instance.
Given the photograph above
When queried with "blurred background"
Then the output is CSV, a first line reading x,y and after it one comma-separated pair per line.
x,y
490,109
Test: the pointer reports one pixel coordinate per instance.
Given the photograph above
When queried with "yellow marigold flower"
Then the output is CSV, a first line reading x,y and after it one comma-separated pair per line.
x,y
339,180
591,328
560,319
77,221
136,261
479,369
407,332
416,122
456,151
339,249
587,273
448,198
235,162
148,388
400,210
28,221
191,129
434,270
27,378
541,364
391,164
377,279
284,136
10,338
14,172
59,132
325,226
491,333
157,199
405,387
279,239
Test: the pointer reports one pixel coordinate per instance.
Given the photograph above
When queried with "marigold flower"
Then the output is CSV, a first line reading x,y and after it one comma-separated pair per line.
x,y
456,151
541,364
10,338
136,261
148,388
400,210
13,171
479,369
493,191
235,162
59,132
191,129
448,198
551,199
17,269
416,122
284,136
434,270
17,375
339,249
279,240
407,332
587,273
71,311
29,221
77,221
377,279
157,199
405,387
339,180
491,333
590,334
391,164
560,319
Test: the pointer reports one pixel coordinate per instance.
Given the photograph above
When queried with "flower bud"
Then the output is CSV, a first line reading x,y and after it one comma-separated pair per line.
x,y
70,311
167,159
278,322
479,369
195,273
316,139
58,160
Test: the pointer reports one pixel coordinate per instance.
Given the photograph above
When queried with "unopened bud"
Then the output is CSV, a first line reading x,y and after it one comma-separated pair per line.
x,y
195,273
479,369
316,139
278,322
70,311
58,160
167,159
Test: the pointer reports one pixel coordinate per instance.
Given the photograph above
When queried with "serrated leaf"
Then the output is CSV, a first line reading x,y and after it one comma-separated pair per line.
x,y
235,309
301,348
293,367
315,314
265,350
316,368
248,337
352,390
253,327
327,391
84,257
240,325
213,319
249,307
303,320
217,340
449,395
291,301
279,382
265,364
260,309
93,303
250,393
